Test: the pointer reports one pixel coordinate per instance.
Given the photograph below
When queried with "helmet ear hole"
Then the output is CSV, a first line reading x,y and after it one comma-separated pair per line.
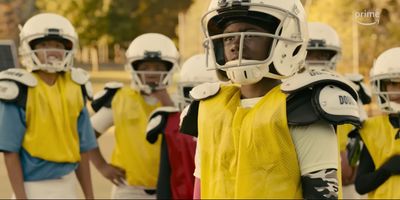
x,y
296,50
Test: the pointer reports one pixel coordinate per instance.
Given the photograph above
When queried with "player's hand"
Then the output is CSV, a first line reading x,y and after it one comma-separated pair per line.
x,y
163,96
115,174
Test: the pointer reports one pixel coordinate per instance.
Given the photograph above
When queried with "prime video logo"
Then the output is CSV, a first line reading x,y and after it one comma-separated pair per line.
x,y
367,18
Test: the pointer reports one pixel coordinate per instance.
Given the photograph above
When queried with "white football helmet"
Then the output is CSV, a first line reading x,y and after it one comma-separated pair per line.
x,y
47,26
323,37
151,47
286,53
193,72
386,69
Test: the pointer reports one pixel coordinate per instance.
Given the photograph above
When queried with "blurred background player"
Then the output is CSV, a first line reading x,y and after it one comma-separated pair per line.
x,y
45,126
176,178
263,139
151,59
192,74
323,49
379,168
324,52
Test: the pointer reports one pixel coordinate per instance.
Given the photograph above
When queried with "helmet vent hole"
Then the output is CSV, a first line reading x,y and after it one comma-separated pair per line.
x,y
296,50
245,74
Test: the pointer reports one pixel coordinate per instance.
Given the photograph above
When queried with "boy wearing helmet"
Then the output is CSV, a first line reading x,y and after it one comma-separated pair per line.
x,y
378,171
176,178
151,59
45,126
255,141
323,53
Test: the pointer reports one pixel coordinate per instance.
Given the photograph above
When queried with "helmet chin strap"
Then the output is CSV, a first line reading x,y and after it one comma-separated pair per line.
x,y
244,75
248,74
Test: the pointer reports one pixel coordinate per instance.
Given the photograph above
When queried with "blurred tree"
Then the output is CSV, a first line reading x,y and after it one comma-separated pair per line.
x,y
372,39
87,16
337,14
118,21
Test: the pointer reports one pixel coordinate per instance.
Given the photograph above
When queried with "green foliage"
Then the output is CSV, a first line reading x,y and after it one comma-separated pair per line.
x,y
118,21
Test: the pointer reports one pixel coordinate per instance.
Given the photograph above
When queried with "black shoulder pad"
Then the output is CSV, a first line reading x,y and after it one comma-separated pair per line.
x,y
21,98
300,110
104,100
326,102
157,122
189,124
85,94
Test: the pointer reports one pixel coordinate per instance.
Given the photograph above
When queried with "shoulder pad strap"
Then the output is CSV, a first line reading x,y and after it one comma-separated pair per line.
x,y
300,110
79,76
189,118
315,78
103,98
19,75
8,90
87,90
205,90
336,105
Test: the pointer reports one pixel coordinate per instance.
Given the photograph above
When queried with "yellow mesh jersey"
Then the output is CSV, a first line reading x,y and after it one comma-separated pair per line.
x,y
343,132
247,152
132,152
379,136
52,120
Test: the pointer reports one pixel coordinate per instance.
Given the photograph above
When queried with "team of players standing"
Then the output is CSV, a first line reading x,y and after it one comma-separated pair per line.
x,y
262,114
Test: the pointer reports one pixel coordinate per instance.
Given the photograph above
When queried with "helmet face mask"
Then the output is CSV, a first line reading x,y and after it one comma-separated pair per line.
x,y
44,28
321,57
151,48
385,80
388,98
283,26
50,60
153,80
324,48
